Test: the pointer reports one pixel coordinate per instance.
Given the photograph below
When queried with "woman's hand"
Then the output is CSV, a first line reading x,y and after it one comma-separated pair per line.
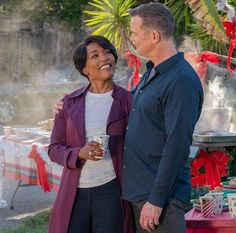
x,y
91,151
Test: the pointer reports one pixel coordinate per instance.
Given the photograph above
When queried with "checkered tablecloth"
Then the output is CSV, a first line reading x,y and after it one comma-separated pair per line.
x,y
20,166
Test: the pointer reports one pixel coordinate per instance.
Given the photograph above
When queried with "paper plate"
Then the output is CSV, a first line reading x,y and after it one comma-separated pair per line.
x,y
226,185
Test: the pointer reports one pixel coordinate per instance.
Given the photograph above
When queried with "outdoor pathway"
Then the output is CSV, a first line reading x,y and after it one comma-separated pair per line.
x,y
28,201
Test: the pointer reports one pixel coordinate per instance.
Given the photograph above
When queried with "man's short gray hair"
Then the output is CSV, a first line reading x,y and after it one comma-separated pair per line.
x,y
156,16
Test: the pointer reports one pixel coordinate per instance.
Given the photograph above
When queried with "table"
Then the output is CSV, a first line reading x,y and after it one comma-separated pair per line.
x,y
196,223
27,161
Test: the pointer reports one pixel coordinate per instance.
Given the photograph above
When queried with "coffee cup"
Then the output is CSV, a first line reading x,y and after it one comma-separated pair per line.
x,y
7,130
218,199
207,206
232,204
102,139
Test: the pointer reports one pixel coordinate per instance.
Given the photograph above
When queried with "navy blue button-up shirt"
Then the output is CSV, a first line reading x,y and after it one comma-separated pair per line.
x,y
165,109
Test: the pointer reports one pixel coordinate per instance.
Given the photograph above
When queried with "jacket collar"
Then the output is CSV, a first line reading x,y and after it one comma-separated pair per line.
x,y
115,114
117,93
79,92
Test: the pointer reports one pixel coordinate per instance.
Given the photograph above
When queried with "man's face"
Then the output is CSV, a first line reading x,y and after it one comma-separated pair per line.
x,y
140,36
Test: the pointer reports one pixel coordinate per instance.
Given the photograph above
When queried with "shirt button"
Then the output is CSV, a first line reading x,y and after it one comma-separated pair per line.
x,y
140,91
124,147
127,128
124,166
133,109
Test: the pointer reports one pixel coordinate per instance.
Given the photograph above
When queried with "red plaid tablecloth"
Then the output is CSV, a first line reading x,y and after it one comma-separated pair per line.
x,y
19,165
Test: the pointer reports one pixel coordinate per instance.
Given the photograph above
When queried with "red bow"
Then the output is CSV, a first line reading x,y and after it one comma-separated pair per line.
x,y
230,29
204,58
133,61
41,169
214,164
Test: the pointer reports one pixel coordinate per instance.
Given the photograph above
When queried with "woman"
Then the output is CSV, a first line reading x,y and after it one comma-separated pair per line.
x,y
89,198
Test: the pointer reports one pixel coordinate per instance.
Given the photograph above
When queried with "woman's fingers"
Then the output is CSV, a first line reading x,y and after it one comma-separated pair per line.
x,y
96,148
93,151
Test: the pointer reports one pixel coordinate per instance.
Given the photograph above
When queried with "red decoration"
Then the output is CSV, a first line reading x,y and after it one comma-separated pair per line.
x,y
133,61
214,164
203,59
230,29
41,169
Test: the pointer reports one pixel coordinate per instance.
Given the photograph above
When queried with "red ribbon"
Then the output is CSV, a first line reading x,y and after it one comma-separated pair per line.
x,y
230,29
133,61
214,164
203,59
41,169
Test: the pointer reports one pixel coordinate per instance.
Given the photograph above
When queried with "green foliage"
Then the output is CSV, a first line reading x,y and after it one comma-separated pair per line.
x,y
187,24
110,19
183,17
7,5
232,163
206,41
232,3
199,191
36,224
206,13
139,2
65,10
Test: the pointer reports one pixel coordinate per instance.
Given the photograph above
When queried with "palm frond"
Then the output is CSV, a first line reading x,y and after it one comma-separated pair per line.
x,y
182,15
207,42
97,6
205,11
110,19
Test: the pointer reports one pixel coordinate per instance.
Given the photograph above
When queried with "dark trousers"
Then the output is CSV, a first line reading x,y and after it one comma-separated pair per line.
x,y
171,220
97,210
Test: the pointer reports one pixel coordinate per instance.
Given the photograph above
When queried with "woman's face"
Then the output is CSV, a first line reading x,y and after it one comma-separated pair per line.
x,y
100,63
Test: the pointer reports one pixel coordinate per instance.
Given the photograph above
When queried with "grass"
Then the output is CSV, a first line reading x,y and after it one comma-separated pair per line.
x,y
35,224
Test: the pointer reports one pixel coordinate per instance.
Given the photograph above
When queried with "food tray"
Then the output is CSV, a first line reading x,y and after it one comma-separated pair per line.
x,y
215,137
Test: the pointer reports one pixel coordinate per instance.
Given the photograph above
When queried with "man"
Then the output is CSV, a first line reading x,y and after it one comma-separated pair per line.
x,y
166,106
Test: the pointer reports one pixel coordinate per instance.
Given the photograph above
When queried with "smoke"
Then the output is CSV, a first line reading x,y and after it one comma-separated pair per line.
x,y
217,91
219,112
35,68
219,109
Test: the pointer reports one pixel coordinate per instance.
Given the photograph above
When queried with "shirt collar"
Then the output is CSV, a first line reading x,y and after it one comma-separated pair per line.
x,y
165,65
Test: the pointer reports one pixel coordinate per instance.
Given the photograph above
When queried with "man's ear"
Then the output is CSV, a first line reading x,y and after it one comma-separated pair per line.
x,y
156,36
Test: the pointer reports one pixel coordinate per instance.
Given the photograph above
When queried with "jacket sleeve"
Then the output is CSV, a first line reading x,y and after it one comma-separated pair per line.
x,y
58,151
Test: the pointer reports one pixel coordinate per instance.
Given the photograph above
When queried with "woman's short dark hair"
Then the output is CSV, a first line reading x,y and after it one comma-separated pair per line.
x,y
80,53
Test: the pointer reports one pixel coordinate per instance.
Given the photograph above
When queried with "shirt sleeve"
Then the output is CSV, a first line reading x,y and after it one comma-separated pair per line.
x,y
182,107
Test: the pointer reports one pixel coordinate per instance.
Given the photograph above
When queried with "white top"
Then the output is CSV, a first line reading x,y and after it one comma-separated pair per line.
x,y
97,109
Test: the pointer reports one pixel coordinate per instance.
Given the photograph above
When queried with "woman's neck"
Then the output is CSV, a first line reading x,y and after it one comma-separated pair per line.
x,y
100,87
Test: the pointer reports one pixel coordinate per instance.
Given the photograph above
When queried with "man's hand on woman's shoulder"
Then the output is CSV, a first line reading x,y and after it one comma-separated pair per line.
x,y
58,106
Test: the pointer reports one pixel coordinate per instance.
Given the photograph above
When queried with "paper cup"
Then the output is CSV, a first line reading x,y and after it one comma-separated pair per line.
x,y
232,205
102,140
218,199
207,205
7,130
